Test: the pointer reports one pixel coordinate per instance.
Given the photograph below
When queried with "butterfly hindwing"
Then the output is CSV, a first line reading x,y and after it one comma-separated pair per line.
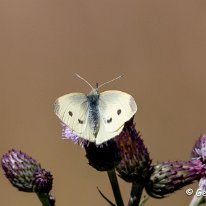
x,y
105,135
72,109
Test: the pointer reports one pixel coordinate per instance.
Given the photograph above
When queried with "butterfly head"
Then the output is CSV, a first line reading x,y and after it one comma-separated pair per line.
x,y
95,91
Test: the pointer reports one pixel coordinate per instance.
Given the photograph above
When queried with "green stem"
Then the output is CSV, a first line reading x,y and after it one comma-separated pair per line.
x,y
136,193
115,187
45,199
196,200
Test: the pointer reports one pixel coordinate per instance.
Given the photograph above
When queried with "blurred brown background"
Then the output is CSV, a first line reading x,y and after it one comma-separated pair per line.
x,y
159,46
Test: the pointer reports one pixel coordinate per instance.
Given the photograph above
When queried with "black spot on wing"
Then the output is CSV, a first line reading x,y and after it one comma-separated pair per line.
x,y
80,121
119,111
70,113
109,120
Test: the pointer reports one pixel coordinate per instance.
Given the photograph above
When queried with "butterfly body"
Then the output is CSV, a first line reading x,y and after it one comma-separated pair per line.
x,y
93,111
96,117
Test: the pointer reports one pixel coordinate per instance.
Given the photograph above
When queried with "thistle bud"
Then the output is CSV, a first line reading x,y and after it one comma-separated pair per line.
x,y
25,173
167,177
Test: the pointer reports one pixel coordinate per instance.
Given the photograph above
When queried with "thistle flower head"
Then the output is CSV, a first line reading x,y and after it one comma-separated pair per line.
x,y
25,173
136,163
168,177
105,157
199,149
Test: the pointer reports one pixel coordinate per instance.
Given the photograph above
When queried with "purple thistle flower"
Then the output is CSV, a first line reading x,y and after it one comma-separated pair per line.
x,y
25,173
199,149
135,165
168,177
69,134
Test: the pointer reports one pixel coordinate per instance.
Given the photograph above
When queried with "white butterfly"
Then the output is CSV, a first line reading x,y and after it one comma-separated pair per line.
x,y
96,117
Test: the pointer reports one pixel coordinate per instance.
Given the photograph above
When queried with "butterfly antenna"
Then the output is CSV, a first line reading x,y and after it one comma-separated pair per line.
x,y
111,81
85,81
